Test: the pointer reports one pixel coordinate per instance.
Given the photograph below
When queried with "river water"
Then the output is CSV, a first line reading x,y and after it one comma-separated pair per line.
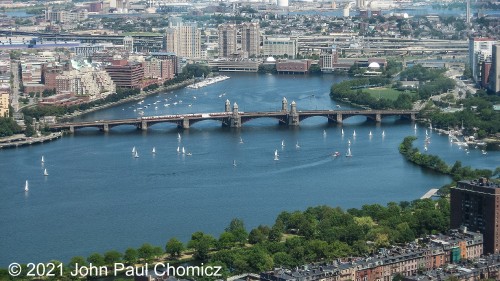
x,y
98,197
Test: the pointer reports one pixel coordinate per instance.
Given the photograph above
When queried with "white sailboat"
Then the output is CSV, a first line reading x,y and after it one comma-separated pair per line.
x,y
370,134
484,152
234,163
26,188
342,132
154,150
136,154
183,150
383,133
178,149
354,134
426,133
241,140
430,126
297,145
45,172
282,143
415,128
348,154
425,148
179,137
133,149
276,156
43,160
349,142
324,133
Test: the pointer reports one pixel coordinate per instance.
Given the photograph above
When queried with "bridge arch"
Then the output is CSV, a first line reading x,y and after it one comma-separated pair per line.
x,y
224,122
280,119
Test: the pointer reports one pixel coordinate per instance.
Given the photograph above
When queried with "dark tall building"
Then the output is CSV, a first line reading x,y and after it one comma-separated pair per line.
x,y
126,74
475,205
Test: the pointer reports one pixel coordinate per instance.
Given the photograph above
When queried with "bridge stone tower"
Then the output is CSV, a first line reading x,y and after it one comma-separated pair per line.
x,y
235,117
284,105
293,116
227,106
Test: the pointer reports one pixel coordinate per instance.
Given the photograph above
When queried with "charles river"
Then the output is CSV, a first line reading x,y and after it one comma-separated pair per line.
x,y
98,197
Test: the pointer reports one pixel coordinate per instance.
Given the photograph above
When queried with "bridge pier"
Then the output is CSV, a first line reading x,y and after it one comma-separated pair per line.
x,y
185,123
144,125
235,121
378,118
339,118
105,128
72,129
413,117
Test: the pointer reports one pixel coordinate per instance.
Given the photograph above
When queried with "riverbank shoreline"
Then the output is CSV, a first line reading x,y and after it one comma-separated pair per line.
x,y
69,117
21,140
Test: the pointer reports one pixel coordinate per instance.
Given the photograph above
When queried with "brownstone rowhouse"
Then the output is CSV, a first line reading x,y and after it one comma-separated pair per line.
x,y
475,205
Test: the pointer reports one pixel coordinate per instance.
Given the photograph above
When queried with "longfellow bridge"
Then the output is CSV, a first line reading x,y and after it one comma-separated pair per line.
x,y
232,117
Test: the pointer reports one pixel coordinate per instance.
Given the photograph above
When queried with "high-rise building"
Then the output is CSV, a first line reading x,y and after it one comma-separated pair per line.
x,y
479,51
184,39
227,40
476,205
360,4
250,39
494,77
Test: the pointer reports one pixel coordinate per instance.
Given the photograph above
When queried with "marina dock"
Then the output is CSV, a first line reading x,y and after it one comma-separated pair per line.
x,y
208,81
430,193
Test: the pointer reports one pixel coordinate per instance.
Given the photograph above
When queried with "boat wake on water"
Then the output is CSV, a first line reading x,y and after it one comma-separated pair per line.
x,y
323,160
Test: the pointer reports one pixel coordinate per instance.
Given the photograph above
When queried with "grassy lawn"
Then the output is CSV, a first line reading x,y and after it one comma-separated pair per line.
x,y
387,93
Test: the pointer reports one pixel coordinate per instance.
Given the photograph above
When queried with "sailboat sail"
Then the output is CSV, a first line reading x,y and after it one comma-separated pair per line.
x,y
26,188
348,154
